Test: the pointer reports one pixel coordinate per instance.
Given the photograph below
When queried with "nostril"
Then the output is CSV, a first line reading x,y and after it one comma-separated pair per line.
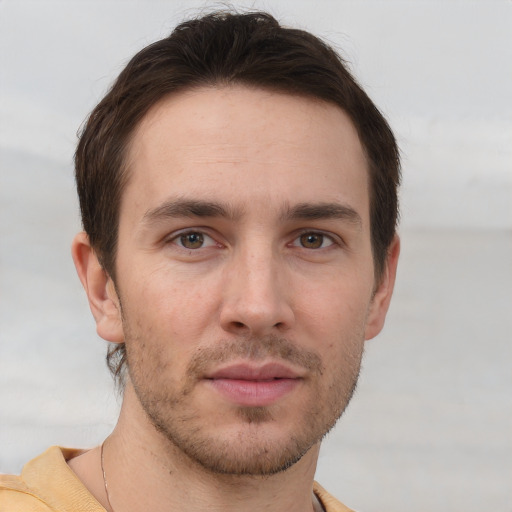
x,y
239,325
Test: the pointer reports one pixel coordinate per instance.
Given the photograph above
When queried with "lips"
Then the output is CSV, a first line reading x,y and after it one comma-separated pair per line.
x,y
251,385
268,371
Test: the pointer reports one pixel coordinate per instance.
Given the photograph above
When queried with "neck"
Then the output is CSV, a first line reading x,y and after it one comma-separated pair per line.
x,y
145,471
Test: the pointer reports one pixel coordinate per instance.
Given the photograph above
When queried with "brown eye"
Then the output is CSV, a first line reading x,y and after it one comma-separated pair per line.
x,y
312,240
192,240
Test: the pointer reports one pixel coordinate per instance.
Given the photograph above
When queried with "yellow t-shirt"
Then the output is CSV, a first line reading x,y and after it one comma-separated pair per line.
x,y
47,484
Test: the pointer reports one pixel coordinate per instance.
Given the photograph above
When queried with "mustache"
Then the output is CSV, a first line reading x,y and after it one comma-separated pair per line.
x,y
255,349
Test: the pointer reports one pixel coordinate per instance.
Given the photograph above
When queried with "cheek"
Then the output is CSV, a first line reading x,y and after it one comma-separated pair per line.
x,y
338,308
171,296
167,314
336,330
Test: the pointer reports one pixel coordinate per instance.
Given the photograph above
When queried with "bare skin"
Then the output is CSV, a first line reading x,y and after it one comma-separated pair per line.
x,y
170,479
245,292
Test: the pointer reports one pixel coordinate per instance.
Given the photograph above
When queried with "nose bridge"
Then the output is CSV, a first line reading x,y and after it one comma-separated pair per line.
x,y
258,267
255,298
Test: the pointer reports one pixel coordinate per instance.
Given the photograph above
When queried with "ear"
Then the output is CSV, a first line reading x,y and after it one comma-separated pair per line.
x,y
100,289
382,297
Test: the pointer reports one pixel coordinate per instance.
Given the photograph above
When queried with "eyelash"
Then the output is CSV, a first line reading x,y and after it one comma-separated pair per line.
x,y
296,242
179,237
324,236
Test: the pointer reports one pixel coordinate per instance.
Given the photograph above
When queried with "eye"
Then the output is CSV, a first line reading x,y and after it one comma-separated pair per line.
x,y
193,240
313,240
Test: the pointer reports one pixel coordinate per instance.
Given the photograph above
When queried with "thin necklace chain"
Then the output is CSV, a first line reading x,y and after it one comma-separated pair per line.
x,y
105,477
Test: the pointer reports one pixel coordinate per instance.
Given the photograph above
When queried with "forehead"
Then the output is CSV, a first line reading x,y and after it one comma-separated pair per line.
x,y
243,145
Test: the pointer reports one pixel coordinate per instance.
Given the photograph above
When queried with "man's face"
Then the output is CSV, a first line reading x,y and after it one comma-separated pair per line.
x,y
245,273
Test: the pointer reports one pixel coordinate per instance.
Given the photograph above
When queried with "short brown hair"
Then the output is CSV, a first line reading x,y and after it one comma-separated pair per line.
x,y
218,49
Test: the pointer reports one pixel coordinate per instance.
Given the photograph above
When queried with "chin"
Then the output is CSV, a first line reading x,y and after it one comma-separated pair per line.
x,y
250,450
254,443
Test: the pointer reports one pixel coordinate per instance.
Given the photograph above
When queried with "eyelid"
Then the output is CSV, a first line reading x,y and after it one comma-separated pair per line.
x,y
335,239
176,235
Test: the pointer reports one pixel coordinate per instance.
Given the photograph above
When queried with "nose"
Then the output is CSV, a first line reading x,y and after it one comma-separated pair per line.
x,y
256,298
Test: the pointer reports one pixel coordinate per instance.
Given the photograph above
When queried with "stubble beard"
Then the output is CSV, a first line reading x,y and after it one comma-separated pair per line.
x,y
251,451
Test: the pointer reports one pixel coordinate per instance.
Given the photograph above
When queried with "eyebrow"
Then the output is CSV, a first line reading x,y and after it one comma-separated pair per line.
x,y
176,208
318,211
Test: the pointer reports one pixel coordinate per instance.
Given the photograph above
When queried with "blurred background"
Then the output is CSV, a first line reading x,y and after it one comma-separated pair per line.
x,y
430,427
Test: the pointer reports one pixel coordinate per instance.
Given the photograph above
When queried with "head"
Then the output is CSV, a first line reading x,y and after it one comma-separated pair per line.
x,y
221,49
247,65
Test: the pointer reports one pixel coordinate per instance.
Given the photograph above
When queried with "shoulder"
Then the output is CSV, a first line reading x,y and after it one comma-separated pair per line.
x,y
16,496
46,484
328,501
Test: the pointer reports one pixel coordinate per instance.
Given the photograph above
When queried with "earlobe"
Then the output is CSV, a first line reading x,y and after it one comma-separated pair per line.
x,y
100,290
382,298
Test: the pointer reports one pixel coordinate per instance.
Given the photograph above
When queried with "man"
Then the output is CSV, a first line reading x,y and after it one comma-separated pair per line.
x,y
238,193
